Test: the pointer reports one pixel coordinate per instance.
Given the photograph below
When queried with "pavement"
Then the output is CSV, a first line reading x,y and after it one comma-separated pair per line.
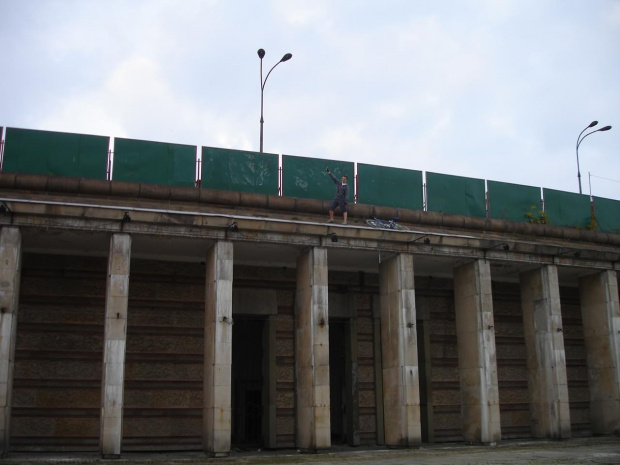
x,y
596,450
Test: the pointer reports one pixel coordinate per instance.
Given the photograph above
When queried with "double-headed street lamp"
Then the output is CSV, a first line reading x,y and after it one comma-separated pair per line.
x,y
580,140
261,54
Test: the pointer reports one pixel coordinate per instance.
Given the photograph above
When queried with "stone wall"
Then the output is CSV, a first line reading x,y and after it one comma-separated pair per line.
x,y
59,350
57,388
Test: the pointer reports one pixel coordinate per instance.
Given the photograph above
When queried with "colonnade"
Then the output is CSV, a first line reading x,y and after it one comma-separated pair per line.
x,y
401,421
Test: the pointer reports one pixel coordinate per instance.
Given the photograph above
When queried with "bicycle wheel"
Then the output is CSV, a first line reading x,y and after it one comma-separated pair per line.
x,y
399,227
374,223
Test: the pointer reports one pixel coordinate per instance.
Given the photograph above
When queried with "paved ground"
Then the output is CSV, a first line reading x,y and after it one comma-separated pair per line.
x,y
604,450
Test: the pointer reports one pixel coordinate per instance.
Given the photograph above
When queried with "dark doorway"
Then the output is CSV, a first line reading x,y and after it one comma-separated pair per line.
x,y
247,382
424,366
337,380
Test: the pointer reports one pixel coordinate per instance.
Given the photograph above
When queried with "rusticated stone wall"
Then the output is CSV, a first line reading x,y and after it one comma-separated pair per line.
x,y
436,297
576,362
366,370
511,361
165,347
57,388
59,351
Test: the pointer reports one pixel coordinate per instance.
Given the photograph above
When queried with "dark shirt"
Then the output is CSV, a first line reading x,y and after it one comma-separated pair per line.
x,y
342,190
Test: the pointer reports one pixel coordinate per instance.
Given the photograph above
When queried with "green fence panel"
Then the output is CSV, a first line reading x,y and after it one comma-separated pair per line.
x,y
55,153
306,177
389,187
455,195
237,170
607,213
154,162
567,208
512,201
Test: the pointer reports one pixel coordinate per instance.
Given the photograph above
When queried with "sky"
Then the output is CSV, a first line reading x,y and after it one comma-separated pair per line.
x,y
490,89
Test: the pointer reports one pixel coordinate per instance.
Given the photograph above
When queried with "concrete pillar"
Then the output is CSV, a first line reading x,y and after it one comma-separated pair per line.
x,y
115,339
546,359
312,351
601,325
401,391
475,334
10,272
218,350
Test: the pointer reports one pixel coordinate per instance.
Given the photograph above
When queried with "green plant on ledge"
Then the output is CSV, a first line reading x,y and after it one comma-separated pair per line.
x,y
592,225
537,216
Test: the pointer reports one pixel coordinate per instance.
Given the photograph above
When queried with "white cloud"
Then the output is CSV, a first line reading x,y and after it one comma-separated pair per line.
x,y
136,101
301,12
488,89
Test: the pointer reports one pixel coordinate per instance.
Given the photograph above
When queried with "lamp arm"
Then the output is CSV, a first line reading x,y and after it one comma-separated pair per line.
x,y
580,141
265,81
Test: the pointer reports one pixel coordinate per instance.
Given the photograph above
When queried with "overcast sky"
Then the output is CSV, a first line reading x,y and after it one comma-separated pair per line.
x,y
490,89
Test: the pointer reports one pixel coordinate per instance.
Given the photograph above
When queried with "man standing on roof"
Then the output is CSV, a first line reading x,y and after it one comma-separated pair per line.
x,y
341,199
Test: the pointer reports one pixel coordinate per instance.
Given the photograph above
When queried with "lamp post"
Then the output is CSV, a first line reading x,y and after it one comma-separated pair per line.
x,y
261,54
580,140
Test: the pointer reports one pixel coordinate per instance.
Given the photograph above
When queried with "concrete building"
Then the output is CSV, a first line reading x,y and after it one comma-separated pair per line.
x,y
144,317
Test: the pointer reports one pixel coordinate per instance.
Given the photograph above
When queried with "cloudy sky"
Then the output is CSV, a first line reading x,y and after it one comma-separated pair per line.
x,y
491,89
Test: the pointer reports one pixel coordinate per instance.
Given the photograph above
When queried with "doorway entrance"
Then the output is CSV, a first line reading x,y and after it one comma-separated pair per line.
x,y
247,382
338,380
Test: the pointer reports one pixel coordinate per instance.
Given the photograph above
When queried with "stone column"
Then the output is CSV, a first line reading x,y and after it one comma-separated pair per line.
x,y
601,325
10,272
475,334
312,351
115,339
401,391
218,350
546,359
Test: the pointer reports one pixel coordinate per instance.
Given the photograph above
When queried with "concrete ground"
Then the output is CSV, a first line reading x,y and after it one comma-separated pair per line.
x,y
603,450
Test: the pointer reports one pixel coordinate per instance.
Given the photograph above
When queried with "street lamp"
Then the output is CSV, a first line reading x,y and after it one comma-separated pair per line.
x,y
261,54
580,140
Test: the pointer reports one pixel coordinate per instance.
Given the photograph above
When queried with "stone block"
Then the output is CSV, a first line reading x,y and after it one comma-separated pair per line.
x,y
304,355
116,307
222,418
222,375
224,332
221,396
321,396
112,401
114,351
285,399
118,285
9,255
412,387
5,365
321,338
116,329
321,375
3,394
223,353
323,438
114,374
221,442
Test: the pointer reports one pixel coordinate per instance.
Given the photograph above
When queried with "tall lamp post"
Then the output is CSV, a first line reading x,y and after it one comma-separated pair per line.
x,y
580,140
261,54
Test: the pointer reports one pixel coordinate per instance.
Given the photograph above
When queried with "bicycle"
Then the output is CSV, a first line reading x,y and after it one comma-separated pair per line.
x,y
382,224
